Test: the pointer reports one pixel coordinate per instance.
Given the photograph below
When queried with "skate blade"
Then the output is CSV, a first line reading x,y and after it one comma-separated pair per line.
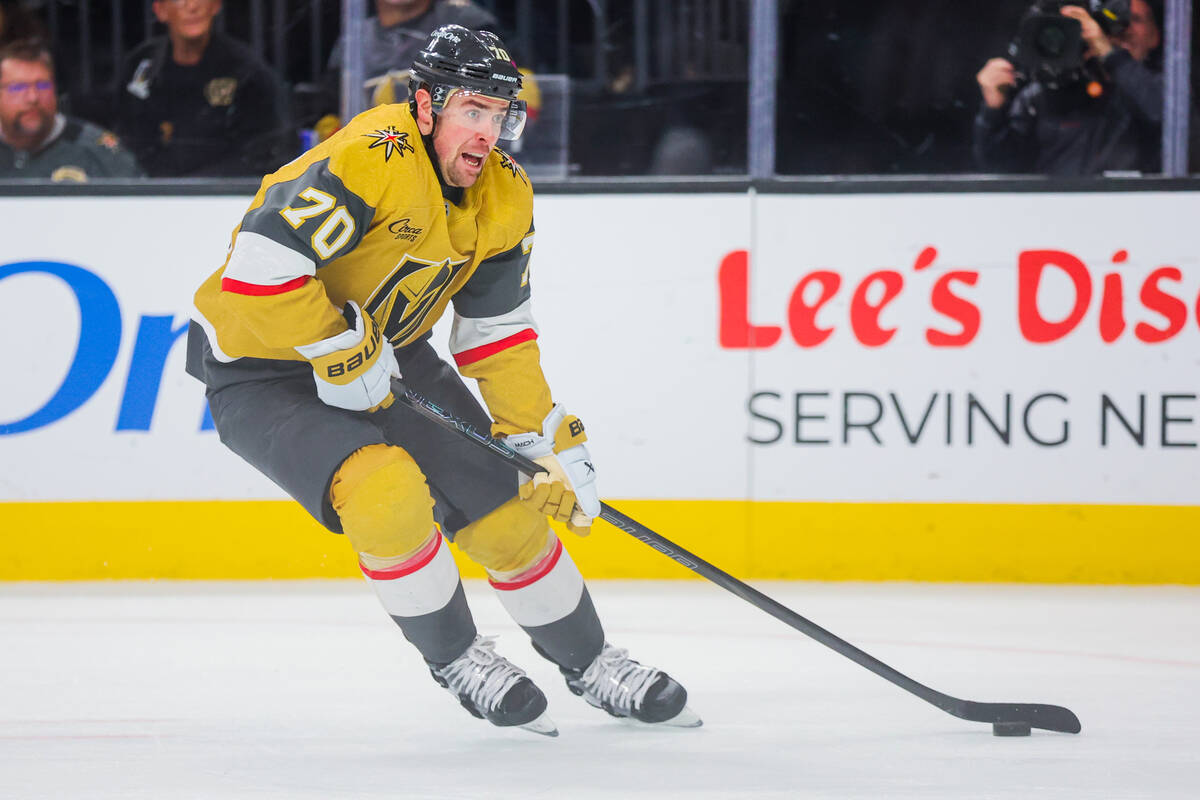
x,y
543,725
684,719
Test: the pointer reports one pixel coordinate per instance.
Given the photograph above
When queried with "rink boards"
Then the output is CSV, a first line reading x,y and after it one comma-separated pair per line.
x,y
943,387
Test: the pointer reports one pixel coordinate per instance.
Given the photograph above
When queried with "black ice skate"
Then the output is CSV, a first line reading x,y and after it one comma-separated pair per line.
x,y
492,688
625,688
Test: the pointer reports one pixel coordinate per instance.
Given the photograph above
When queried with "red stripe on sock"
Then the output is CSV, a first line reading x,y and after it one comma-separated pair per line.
x,y
484,350
258,289
422,558
534,574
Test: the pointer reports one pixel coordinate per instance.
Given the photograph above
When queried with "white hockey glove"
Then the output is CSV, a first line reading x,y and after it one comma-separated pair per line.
x,y
354,369
567,491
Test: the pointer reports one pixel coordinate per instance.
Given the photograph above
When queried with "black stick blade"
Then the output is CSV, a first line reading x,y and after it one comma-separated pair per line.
x,y
1036,715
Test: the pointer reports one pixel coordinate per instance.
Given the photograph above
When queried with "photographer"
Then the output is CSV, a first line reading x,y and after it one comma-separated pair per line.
x,y
1104,115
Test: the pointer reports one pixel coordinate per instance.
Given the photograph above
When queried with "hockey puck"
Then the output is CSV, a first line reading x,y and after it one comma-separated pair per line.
x,y
1011,729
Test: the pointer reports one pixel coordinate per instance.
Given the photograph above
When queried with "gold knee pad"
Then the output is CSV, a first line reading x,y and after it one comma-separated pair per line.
x,y
506,540
380,495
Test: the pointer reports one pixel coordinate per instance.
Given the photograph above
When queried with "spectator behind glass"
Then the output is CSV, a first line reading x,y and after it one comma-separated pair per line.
x,y
36,141
197,103
391,40
1111,120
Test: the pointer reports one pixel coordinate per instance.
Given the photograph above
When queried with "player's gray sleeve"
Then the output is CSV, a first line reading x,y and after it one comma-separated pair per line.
x,y
314,215
493,308
499,285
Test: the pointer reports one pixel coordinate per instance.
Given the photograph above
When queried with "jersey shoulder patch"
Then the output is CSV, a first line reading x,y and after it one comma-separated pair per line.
x,y
509,165
109,141
378,149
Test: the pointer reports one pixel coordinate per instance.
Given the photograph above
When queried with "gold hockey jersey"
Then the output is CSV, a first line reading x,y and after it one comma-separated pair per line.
x,y
362,217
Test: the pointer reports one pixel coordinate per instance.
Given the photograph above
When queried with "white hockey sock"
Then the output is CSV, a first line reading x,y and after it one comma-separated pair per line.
x,y
422,584
545,592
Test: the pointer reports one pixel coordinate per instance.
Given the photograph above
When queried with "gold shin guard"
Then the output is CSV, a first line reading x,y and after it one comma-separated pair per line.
x,y
380,495
507,540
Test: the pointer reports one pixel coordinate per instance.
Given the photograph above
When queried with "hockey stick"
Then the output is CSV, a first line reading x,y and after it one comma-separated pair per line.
x,y
1006,718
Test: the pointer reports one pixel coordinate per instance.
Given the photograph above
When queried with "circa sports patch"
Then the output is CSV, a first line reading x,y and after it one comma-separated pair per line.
x,y
391,139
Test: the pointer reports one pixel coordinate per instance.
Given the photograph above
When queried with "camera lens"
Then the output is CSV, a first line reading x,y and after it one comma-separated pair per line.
x,y
1051,41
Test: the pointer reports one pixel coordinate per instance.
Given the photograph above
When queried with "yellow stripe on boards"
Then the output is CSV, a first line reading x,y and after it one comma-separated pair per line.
x,y
813,541
976,542
203,540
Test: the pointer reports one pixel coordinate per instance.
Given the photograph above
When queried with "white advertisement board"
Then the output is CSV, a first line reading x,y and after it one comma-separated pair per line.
x,y
985,348
993,348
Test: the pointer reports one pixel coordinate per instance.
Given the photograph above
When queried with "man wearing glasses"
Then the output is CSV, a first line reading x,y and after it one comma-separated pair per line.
x,y
36,141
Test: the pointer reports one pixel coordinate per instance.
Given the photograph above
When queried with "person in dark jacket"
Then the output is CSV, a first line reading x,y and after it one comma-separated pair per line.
x,y
397,32
198,103
36,141
1110,121
391,39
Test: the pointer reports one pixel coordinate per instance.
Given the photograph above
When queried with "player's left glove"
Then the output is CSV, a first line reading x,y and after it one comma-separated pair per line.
x,y
567,490
354,369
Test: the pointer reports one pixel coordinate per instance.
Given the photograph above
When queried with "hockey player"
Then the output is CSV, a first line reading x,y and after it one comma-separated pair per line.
x,y
338,271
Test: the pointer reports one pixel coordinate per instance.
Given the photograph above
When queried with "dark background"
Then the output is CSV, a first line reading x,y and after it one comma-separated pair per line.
x,y
866,86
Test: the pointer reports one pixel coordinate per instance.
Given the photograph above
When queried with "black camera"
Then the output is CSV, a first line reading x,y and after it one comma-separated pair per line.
x,y
1049,47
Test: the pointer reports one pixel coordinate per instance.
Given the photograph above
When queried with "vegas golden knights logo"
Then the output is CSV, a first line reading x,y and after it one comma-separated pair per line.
x,y
220,91
507,163
405,297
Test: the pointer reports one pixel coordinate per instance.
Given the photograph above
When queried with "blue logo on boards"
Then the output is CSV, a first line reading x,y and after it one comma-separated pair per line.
x,y
97,350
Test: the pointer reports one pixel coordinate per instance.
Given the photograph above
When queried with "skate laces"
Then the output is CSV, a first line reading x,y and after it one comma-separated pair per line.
x,y
616,680
481,675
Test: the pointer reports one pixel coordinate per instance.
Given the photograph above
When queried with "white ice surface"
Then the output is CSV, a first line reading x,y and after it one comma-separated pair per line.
x,y
305,690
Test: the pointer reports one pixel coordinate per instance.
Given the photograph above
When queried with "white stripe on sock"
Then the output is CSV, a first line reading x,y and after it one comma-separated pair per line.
x,y
407,592
539,595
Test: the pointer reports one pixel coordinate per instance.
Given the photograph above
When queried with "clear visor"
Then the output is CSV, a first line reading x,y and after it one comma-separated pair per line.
x,y
484,114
